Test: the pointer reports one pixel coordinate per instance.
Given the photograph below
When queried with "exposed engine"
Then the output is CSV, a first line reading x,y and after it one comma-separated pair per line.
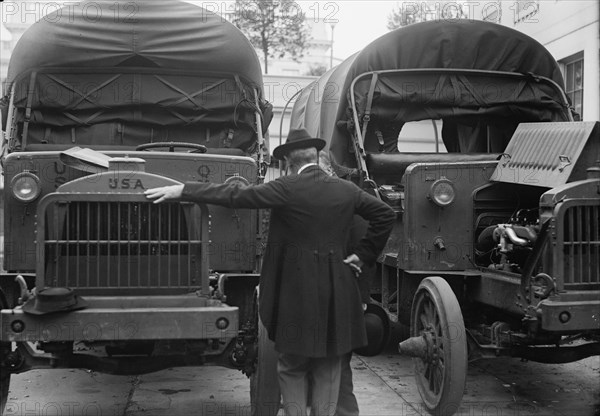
x,y
507,246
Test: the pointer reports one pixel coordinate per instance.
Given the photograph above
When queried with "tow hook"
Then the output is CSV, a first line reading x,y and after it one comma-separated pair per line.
x,y
25,293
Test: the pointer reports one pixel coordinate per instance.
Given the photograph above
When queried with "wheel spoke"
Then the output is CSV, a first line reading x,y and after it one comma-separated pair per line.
x,y
439,378
430,310
423,319
430,377
442,367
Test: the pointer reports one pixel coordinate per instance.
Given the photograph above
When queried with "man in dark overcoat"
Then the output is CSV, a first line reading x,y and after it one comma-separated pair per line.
x,y
309,300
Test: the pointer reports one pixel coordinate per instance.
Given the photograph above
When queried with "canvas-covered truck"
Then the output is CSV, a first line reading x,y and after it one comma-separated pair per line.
x,y
103,100
464,129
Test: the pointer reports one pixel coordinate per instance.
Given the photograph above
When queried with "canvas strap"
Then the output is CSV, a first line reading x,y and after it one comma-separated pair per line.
x,y
367,116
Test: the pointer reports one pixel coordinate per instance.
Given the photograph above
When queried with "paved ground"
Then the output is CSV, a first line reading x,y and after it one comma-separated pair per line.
x,y
384,387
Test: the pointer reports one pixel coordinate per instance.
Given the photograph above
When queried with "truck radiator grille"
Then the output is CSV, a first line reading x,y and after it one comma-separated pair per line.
x,y
579,238
113,244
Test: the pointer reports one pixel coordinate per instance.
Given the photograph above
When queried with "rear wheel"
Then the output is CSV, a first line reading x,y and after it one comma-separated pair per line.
x,y
264,386
442,373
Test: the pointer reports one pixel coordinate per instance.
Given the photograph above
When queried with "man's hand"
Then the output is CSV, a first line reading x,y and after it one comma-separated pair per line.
x,y
166,192
355,263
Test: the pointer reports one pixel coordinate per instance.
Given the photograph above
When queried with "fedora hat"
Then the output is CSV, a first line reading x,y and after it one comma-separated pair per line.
x,y
297,139
54,299
378,331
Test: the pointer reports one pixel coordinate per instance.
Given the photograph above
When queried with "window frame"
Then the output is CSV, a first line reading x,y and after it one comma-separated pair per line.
x,y
572,87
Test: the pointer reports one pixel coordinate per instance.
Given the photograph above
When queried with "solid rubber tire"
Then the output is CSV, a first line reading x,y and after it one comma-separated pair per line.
x,y
435,294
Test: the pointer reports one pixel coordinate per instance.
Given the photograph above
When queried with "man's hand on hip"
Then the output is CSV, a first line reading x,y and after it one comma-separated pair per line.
x,y
355,263
164,193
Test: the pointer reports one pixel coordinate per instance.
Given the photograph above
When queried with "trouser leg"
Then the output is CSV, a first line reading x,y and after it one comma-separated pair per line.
x,y
326,385
292,372
347,404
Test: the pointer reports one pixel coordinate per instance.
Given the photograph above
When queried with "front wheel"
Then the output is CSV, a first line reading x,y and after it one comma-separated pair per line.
x,y
264,385
441,373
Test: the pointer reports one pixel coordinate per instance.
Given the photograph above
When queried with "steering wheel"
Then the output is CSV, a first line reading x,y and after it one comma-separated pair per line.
x,y
196,148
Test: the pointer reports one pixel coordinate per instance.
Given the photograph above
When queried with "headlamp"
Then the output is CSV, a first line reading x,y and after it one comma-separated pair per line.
x,y
442,192
25,186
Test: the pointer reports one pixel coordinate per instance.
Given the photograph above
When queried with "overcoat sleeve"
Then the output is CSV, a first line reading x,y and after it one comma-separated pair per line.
x,y
381,220
268,195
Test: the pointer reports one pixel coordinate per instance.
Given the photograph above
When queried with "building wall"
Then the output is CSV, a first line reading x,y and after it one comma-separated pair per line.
x,y
16,16
281,91
566,28
5,50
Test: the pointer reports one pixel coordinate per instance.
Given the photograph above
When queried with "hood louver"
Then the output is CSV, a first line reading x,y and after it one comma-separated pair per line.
x,y
549,154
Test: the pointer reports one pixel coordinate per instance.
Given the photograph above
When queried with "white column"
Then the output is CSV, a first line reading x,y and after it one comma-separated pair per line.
x,y
591,72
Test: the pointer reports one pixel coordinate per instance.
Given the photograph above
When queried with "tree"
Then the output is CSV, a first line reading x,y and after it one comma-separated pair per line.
x,y
408,12
316,70
277,28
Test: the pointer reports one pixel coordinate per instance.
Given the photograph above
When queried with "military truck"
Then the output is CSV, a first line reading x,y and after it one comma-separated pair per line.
x,y
103,100
464,129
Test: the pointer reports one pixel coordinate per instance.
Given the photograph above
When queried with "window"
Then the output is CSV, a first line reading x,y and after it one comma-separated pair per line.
x,y
421,136
573,73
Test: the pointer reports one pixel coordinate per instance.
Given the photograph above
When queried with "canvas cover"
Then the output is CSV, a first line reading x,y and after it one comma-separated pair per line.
x,y
133,72
470,104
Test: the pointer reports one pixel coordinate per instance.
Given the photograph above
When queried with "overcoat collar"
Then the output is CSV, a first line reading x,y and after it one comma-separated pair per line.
x,y
311,168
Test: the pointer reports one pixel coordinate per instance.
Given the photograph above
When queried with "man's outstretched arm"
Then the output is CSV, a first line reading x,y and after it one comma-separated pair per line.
x,y
269,195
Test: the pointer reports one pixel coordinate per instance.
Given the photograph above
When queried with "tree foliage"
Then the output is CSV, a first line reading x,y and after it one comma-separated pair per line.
x,y
316,70
408,12
277,28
